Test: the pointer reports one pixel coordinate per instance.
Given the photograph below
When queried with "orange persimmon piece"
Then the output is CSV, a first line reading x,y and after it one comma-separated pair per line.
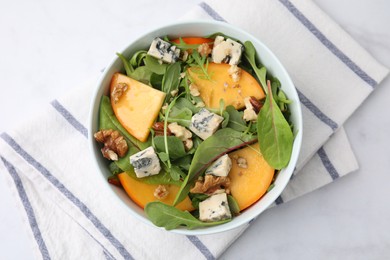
x,y
193,40
249,184
142,193
138,107
222,86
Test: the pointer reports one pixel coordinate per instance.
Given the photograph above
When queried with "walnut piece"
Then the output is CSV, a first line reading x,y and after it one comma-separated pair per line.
x,y
204,49
158,128
161,192
256,104
210,184
114,143
194,91
118,91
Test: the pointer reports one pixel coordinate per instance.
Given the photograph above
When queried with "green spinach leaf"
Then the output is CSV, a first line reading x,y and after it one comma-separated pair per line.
x,y
274,133
108,120
175,146
154,65
220,143
196,198
169,217
233,205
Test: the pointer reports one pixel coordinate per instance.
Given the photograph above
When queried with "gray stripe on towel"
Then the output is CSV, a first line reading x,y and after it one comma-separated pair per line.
x,y
210,11
328,164
328,44
316,111
28,208
202,248
68,194
279,200
70,118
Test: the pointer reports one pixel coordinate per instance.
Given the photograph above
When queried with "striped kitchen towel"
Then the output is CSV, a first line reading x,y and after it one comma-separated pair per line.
x,y
47,164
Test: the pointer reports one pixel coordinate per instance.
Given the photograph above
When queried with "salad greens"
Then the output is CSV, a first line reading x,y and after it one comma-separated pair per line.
x,y
184,165
169,217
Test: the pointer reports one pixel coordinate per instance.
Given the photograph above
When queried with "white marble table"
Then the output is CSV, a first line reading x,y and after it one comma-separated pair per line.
x,y
40,58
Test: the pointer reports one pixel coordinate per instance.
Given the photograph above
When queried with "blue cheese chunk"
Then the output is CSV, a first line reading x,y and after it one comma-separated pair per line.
x,y
204,123
221,167
226,51
214,208
145,163
164,51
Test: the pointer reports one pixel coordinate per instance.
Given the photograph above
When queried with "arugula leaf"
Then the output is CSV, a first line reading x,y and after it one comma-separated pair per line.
x,y
236,120
220,143
137,59
171,80
250,55
200,62
128,67
169,217
274,133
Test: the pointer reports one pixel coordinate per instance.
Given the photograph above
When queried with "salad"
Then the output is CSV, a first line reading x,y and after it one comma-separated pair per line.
x,y
194,129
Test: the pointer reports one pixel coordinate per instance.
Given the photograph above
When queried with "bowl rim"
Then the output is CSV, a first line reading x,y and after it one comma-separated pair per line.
x,y
236,222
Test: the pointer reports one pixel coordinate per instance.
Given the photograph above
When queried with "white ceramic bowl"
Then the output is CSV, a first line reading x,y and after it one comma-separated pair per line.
x,y
198,28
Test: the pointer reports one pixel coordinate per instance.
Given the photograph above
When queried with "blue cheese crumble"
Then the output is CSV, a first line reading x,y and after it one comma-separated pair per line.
x,y
204,123
164,51
214,208
226,51
221,167
145,163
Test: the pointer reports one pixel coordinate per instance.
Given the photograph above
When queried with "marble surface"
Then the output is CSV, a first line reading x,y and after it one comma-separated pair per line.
x,y
41,58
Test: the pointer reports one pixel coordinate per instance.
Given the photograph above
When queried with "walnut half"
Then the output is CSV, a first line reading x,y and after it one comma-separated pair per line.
x,y
118,91
114,143
210,184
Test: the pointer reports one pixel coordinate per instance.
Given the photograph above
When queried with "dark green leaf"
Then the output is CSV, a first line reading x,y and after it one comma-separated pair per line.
x,y
184,162
236,120
142,74
169,217
154,65
223,141
162,178
274,134
126,64
250,55
171,80
107,120
175,146
156,81
233,205
180,115
137,59
114,169
196,198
